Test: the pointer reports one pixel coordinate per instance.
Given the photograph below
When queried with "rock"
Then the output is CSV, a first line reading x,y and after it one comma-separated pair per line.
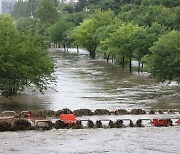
x,y
83,112
121,112
138,111
5,126
38,114
99,124
78,125
64,111
152,112
139,123
101,112
160,112
49,113
111,124
21,124
59,124
119,124
131,124
90,124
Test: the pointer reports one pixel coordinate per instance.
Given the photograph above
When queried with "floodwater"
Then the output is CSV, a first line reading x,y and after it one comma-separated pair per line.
x,y
147,140
84,83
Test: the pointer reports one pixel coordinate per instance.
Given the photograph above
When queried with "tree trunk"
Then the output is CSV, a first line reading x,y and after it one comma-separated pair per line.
x,y
108,58
64,47
92,54
142,66
139,66
77,49
123,62
130,66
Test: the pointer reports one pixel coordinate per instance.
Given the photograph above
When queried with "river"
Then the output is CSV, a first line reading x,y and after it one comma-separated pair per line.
x,y
85,83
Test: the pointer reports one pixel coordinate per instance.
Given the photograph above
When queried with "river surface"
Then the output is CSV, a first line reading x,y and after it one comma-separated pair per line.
x,y
85,83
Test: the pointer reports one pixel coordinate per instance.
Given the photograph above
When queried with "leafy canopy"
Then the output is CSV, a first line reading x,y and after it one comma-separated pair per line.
x,y
47,12
165,58
85,33
23,58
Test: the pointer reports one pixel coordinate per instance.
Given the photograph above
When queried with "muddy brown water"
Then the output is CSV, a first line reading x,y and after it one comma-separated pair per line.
x,y
84,83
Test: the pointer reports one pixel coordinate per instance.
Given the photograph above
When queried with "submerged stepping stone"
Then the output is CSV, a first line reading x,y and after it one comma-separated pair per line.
x,y
137,111
121,112
119,124
5,126
111,124
99,124
101,112
90,124
83,112
21,124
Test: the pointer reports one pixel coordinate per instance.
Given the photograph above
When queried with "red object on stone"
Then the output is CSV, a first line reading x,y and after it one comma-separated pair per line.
x,y
29,114
160,122
68,118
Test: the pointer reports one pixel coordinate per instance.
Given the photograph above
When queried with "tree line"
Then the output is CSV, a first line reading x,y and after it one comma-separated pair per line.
x,y
126,30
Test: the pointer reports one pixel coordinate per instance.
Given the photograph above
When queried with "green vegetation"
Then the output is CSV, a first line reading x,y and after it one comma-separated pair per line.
x,y
47,12
84,34
164,59
141,30
24,60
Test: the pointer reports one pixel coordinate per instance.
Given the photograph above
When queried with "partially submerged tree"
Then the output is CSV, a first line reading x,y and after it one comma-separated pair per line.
x,y
85,33
125,40
24,60
164,61
59,31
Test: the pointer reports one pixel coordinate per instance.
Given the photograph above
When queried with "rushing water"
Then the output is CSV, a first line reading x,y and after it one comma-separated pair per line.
x,y
85,83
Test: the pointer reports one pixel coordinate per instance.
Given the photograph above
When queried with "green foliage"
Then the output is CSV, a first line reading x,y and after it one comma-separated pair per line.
x,y
24,24
76,18
47,12
25,9
85,33
144,39
20,9
122,41
59,31
24,60
165,58
103,33
146,15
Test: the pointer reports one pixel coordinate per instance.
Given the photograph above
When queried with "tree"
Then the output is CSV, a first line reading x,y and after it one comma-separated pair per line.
x,y
146,15
123,41
85,33
59,31
144,39
24,60
164,61
46,12
20,9
102,34
26,24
